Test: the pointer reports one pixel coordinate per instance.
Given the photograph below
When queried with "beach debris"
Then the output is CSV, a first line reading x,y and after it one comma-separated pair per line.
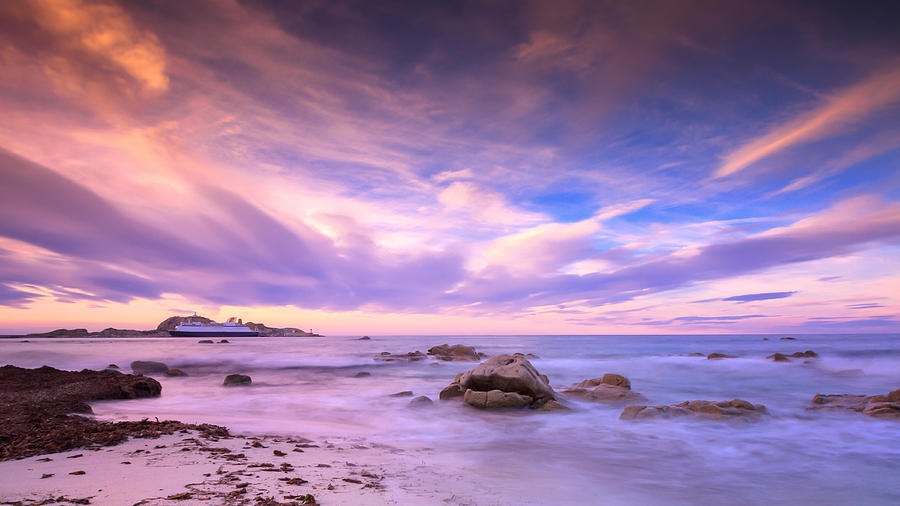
x,y
294,481
878,406
735,410
237,380
148,367
455,353
718,356
610,388
351,480
499,382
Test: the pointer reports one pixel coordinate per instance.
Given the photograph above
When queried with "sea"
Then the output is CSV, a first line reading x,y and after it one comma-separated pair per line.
x,y
308,386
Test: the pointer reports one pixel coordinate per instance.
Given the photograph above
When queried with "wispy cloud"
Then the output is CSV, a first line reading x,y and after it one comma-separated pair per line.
x,y
752,297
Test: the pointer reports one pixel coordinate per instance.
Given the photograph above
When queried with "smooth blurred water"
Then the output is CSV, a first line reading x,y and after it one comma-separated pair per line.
x,y
306,386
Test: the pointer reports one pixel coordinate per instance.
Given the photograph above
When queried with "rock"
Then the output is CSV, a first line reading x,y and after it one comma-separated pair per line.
x,y
112,366
362,374
496,399
412,356
735,410
552,405
717,356
175,372
405,393
609,394
455,353
148,367
205,341
879,406
805,354
765,339
237,380
695,354
364,338
224,341
505,374
420,402
778,357
787,338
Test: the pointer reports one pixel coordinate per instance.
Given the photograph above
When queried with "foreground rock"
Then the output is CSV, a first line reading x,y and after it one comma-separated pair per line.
x,y
878,406
37,403
734,410
491,382
610,389
781,357
455,353
148,367
237,380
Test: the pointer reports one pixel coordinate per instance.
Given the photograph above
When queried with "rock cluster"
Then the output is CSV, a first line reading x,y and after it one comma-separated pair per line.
x,y
455,353
501,382
611,388
781,357
879,406
413,356
735,410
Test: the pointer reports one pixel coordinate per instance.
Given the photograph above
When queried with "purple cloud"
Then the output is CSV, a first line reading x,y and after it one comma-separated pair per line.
x,y
750,297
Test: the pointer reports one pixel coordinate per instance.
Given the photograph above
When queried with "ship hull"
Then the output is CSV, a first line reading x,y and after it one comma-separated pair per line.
x,y
208,333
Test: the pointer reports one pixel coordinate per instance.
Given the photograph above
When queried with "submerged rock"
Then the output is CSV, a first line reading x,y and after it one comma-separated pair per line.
x,y
420,402
175,372
781,357
503,374
364,338
878,406
611,388
735,410
412,356
224,341
237,380
362,374
717,356
787,338
205,341
148,367
405,393
455,353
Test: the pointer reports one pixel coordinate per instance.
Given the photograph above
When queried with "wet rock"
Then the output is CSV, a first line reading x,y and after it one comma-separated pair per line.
x,y
148,367
778,357
695,354
718,356
224,341
455,353
878,406
735,410
205,341
362,374
237,380
364,338
554,406
781,357
611,389
787,338
496,399
405,393
175,372
412,356
505,374
420,402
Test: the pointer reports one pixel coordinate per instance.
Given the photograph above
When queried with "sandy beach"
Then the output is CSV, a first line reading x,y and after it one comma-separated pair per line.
x,y
188,468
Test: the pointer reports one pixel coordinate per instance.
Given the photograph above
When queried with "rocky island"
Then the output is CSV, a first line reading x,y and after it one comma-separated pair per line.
x,y
162,330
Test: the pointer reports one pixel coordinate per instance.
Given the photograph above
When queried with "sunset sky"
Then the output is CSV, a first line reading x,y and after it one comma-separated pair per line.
x,y
631,167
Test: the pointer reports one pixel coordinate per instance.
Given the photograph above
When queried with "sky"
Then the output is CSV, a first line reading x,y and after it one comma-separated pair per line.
x,y
452,167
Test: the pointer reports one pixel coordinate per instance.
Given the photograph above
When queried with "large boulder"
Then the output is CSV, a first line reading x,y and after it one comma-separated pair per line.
x,y
878,406
734,410
148,367
455,353
506,374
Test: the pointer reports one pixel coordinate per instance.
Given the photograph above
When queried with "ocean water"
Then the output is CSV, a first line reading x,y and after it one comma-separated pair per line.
x,y
306,387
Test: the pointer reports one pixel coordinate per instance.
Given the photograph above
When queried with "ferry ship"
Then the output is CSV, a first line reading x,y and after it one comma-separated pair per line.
x,y
232,328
